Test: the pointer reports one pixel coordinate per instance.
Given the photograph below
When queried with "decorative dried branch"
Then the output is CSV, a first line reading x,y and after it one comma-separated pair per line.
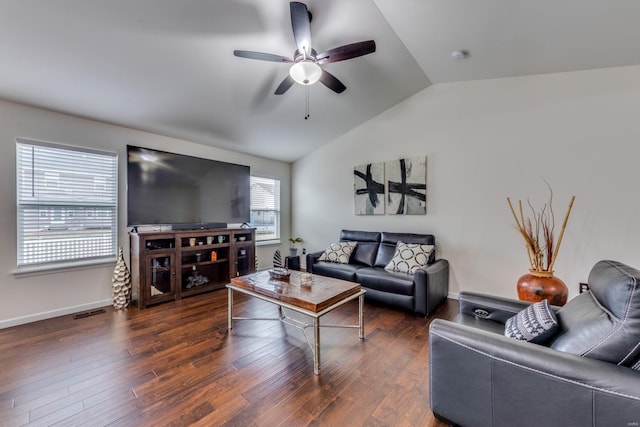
x,y
521,228
564,225
537,231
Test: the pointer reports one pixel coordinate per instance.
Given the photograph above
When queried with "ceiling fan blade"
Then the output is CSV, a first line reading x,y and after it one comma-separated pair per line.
x,y
301,26
330,81
261,56
285,85
347,51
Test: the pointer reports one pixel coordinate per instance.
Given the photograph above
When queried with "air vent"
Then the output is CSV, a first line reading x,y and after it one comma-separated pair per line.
x,y
89,313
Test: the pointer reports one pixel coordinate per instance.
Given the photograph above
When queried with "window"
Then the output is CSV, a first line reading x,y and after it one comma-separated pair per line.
x,y
265,208
67,203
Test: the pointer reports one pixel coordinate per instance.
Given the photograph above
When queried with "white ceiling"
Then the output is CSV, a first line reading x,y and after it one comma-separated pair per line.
x,y
167,66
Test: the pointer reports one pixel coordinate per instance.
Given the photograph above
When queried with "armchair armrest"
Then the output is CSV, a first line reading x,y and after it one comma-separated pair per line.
x,y
496,308
311,259
482,378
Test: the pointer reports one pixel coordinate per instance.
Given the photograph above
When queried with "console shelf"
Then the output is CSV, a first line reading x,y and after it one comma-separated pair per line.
x,y
205,263
170,265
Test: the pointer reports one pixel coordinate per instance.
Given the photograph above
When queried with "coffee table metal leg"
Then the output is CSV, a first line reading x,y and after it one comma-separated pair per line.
x,y
230,308
316,353
360,317
315,347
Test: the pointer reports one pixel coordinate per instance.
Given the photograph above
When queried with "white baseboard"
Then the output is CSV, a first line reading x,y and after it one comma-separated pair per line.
x,y
78,308
53,313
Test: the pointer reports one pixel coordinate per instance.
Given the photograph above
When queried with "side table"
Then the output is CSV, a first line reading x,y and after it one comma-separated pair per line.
x,y
292,262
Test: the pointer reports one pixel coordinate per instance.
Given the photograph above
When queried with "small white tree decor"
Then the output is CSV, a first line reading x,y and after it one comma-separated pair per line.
x,y
121,283
537,230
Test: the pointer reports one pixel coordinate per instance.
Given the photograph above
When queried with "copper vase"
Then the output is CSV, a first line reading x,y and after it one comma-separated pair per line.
x,y
539,285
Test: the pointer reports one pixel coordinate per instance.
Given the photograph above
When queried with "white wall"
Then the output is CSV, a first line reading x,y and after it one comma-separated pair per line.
x,y
486,140
24,299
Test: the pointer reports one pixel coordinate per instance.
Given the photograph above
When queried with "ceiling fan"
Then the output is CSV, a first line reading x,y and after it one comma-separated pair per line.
x,y
306,61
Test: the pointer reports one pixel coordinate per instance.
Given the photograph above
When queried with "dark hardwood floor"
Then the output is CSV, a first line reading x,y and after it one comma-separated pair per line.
x,y
175,364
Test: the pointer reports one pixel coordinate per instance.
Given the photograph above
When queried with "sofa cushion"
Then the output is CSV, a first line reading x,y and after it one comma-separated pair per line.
x,y
408,257
536,323
603,323
366,250
389,241
360,236
338,252
402,302
365,253
335,270
386,281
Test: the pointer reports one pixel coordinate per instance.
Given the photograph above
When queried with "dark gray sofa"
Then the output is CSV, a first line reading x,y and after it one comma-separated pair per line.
x,y
585,375
420,293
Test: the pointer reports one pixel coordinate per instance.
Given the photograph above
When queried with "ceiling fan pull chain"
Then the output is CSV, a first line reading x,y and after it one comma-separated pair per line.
x,y
306,117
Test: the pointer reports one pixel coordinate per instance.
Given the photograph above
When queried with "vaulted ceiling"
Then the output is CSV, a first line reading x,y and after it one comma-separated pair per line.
x,y
167,66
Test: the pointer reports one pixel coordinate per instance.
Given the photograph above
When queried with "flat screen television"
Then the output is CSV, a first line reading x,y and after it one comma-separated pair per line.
x,y
174,189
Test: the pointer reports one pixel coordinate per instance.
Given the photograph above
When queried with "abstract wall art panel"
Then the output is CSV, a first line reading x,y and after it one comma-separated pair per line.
x,y
368,189
407,186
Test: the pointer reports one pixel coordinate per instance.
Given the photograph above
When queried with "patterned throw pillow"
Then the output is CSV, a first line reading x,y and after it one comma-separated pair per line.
x,y
338,252
409,257
536,323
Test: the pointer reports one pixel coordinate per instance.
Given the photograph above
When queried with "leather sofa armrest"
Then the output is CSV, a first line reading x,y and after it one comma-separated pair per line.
x,y
482,378
489,307
311,259
431,286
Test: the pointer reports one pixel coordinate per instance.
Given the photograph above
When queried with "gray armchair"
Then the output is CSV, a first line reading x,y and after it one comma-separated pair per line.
x,y
585,375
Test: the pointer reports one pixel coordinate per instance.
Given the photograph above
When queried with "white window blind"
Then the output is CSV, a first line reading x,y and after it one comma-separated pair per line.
x,y
67,203
265,208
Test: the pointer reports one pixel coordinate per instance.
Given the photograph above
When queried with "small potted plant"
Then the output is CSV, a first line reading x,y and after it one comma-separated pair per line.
x,y
293,251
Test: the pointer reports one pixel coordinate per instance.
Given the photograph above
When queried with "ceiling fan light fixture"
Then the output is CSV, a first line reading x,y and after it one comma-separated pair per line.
x,y
305,72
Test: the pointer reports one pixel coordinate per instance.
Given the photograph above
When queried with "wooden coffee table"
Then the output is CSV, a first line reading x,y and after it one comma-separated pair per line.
x,y
325,295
